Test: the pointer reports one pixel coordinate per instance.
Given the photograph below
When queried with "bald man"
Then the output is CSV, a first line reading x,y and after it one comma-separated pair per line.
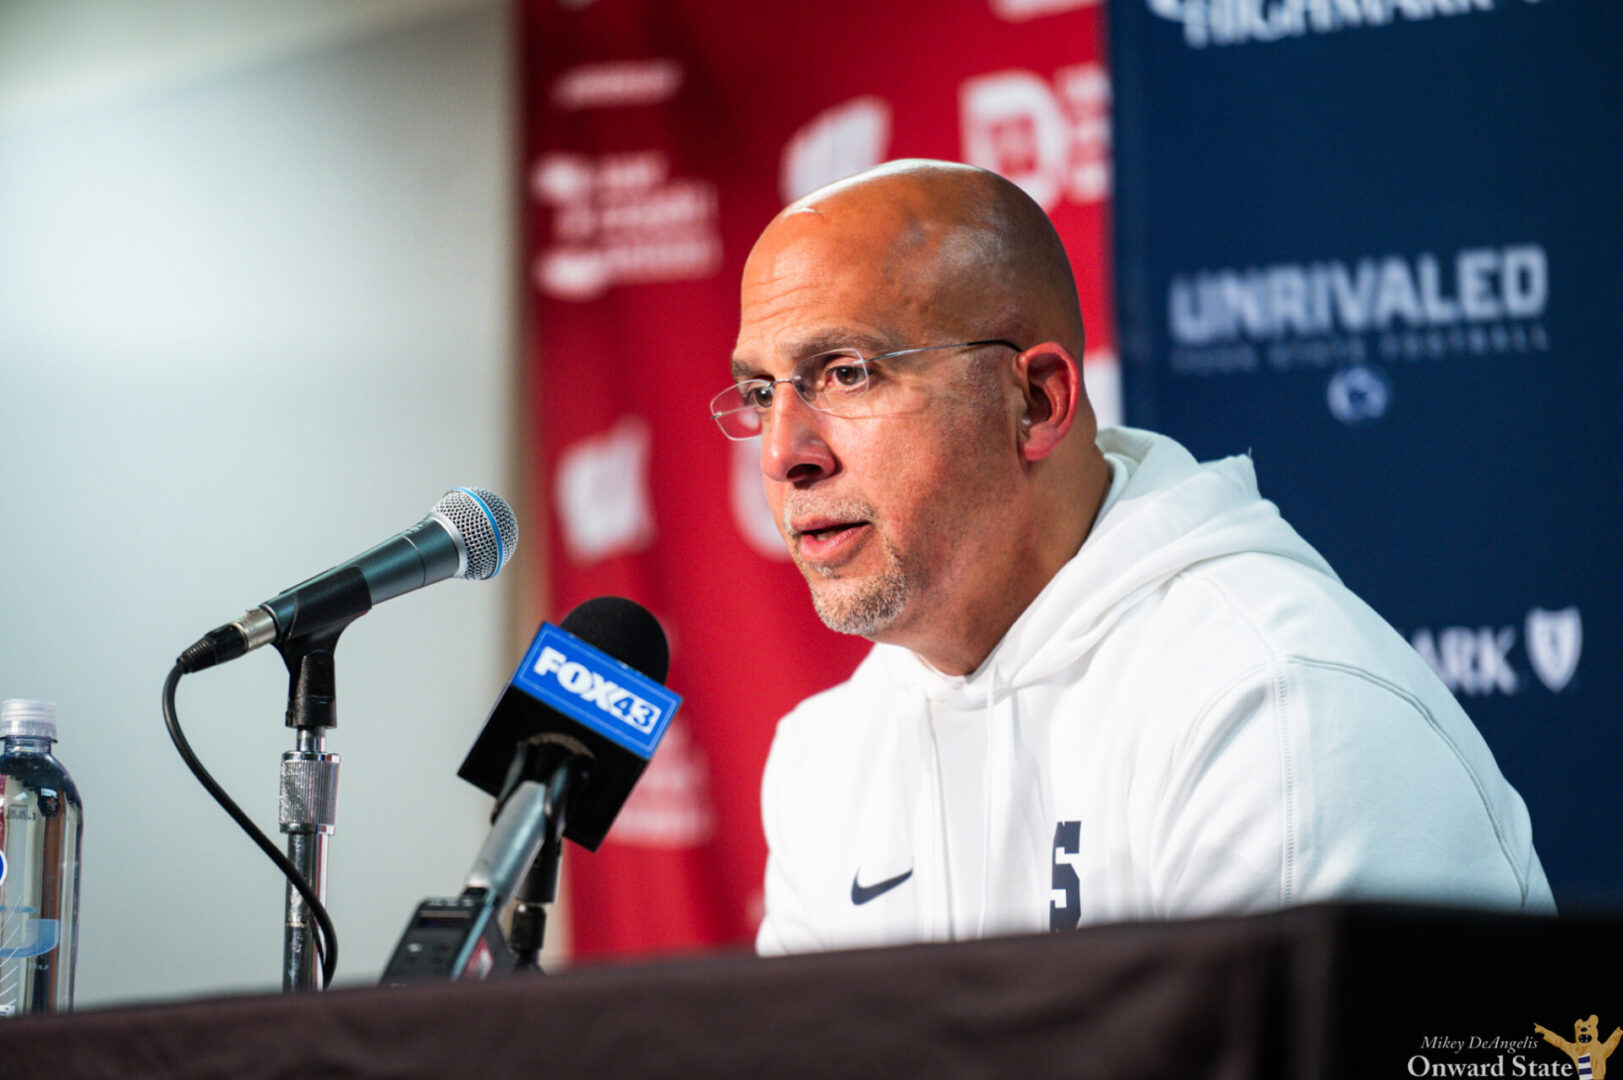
x,y
1107,682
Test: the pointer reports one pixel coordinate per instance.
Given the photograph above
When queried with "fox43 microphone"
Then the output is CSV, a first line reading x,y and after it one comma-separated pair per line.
x,y
565,744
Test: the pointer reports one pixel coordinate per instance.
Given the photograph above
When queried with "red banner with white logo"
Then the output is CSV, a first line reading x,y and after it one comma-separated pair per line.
x,y
660,136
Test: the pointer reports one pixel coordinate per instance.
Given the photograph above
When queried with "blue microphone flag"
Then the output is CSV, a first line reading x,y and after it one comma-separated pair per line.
x,y
591,687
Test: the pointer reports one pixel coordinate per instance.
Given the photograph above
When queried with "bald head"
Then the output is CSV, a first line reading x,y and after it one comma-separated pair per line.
x,y
932,521
964,248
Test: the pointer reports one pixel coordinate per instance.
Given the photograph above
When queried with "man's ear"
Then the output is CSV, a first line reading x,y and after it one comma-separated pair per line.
x,y
1051,381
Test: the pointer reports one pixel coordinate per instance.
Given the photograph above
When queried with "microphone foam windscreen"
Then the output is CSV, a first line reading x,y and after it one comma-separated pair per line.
x,y
629,633
625,630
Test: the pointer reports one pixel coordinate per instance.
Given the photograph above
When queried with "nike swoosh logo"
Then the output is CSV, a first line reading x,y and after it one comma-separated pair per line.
x,y
861,894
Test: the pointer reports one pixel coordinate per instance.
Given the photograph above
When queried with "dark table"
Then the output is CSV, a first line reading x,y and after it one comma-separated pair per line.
x,y
1338,990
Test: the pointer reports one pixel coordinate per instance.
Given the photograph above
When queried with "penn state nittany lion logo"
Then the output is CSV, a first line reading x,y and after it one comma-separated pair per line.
x,y
1588,1056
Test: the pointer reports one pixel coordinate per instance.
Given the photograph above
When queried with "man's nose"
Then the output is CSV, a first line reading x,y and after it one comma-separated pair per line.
x,y
792,444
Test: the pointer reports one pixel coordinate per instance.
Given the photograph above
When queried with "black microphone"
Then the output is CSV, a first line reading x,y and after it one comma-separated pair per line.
x,y
610,722
561,752
470,533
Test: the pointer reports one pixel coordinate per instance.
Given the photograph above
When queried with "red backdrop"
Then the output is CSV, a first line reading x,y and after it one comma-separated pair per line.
x,y
660,136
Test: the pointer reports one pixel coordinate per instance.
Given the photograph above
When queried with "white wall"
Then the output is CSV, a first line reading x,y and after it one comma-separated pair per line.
x,y
255,315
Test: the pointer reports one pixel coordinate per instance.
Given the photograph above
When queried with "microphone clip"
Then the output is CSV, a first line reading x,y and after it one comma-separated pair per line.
x,y
337,600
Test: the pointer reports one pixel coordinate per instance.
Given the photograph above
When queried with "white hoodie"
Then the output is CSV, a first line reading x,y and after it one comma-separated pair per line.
x,y
1194,717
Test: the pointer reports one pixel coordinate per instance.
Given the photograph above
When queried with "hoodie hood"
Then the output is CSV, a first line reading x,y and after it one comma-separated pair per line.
x,y
1166,513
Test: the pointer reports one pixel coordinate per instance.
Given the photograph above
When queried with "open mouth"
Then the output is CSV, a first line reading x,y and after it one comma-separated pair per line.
x,y
827,531
824,541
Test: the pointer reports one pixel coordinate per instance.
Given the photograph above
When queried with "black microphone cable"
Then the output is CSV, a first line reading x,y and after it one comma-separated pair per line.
x,y
327,939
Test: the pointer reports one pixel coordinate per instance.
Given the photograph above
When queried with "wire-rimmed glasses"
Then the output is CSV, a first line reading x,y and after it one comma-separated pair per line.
x,y
841,382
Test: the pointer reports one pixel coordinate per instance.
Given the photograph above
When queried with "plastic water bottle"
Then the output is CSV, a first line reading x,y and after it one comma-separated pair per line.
x,y
39,863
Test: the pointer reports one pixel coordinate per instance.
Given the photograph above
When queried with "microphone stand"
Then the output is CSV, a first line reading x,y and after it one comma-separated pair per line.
x,y
540,886
560,765
308,802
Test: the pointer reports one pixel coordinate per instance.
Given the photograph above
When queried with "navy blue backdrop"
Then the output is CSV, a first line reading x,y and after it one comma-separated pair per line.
x,y
1377,244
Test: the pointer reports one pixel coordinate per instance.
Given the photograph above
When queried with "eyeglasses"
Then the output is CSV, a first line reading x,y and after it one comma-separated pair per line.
x,y
841,383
